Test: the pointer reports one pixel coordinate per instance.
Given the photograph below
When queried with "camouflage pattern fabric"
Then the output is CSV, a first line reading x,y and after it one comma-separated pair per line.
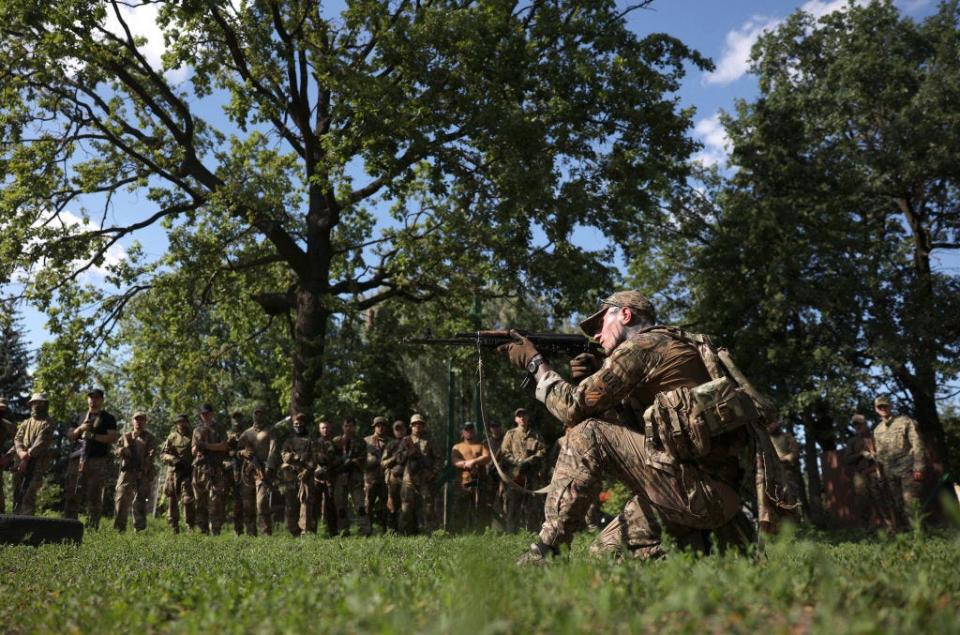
x,y
135,484
299,487
525,453
900,453
207,480
36,436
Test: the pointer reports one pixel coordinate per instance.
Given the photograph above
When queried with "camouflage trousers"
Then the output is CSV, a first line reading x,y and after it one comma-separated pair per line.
x,y
133,488
350,485
671,497
26,503
394,483
299,503
72,495
326,507
93,482
208,497
416,505
375,499
872,499
523,511
179,490
906,493
255,493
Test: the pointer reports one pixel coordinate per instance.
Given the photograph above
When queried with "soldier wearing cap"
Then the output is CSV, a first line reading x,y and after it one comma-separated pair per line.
x,y
260,453
297,477
900,453
209,447
328,462
604,408
8,430
393,463
99,432
176,455
469,458
524,452
416,497
137,450
871,493
349,480
374,480
32,443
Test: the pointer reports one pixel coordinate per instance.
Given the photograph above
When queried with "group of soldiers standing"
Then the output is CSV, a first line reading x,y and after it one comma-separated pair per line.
x,y
887,466
388,478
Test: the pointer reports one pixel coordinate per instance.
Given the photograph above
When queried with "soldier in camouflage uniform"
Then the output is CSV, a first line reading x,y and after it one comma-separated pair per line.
x,y
176,455
328,462
232,467
297,477
524,452
374,481
349,482
99,432
8,430
393,462
416,498
260,453
209,448
900,452
606,438
469,458
32,443
137,450
788,451
871,492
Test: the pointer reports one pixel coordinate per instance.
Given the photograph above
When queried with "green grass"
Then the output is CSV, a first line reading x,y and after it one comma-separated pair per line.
x,y
441,584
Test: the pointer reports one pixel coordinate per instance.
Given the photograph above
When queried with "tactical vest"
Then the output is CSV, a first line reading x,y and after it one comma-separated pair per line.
x,y
683,421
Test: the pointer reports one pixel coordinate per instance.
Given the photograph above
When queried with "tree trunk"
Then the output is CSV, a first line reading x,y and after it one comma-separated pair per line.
x,y
811,467
309,335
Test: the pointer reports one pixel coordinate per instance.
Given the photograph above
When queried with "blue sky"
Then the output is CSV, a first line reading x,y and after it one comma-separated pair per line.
x,y
722,30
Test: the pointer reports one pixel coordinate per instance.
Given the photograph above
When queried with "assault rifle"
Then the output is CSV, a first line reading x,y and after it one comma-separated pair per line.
x,y
567,344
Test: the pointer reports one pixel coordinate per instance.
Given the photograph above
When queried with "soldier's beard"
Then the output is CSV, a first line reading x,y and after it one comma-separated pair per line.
x,y
39,410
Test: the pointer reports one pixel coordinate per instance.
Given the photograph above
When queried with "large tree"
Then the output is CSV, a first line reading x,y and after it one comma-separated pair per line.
x,y
398,150
816,260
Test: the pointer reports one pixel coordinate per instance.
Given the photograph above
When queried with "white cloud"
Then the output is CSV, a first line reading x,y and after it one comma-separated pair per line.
x,y
76,225
142,21
716,144
735,58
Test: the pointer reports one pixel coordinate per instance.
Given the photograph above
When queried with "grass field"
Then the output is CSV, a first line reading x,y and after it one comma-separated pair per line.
x,y
442,584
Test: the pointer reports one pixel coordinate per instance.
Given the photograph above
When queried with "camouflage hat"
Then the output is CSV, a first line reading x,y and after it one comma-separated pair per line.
x,y
139,414
469,425
882,400
632,299
39,396
417,418
379,421
399,423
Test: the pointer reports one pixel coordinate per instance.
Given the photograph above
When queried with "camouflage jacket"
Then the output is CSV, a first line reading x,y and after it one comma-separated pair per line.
x,y
525,451
899,447
34,436
137,453
176,449
632,375
299,457
353,452
375,448
788,450
206,434
394,457
420,458
327,459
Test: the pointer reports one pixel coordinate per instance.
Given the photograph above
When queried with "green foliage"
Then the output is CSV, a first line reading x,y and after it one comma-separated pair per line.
x,y
190,583
15,380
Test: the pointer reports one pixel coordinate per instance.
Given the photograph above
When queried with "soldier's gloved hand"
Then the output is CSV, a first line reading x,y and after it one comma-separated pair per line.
x,y
583,365
520,350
